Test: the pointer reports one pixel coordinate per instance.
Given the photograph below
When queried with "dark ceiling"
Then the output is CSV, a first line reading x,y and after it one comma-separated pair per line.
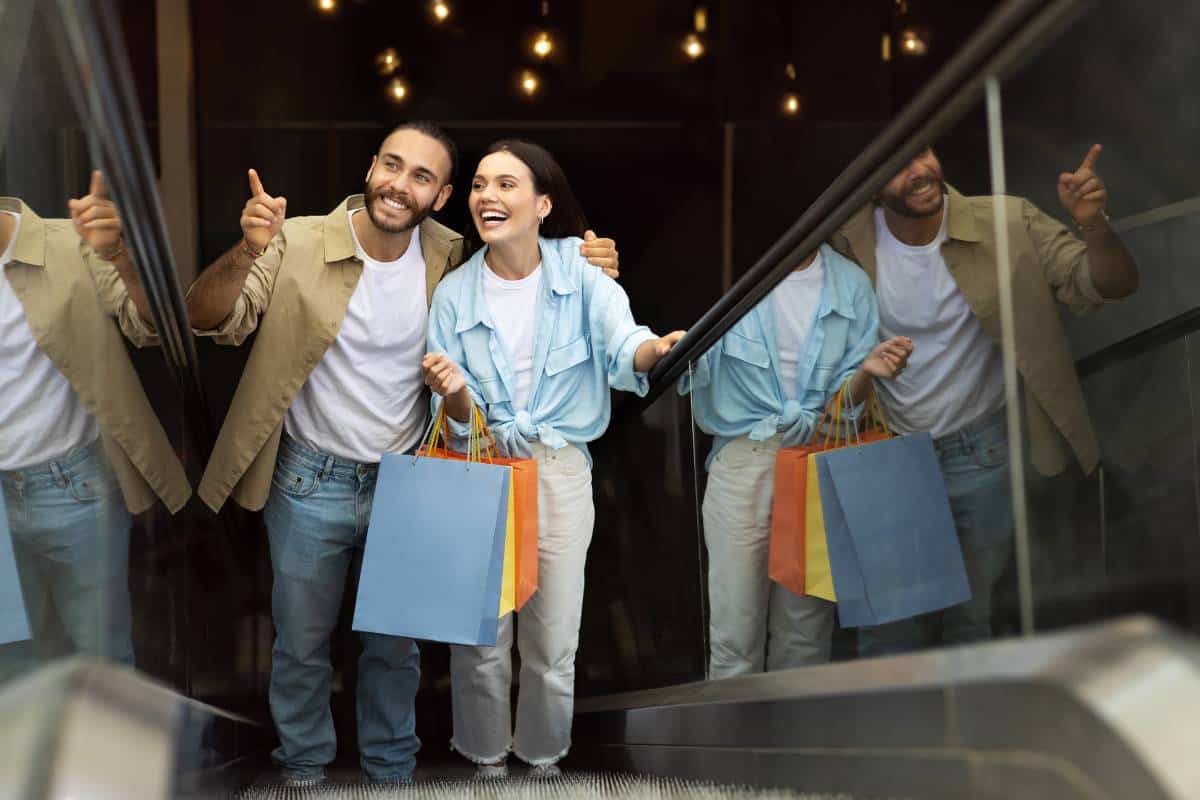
x,y
616,59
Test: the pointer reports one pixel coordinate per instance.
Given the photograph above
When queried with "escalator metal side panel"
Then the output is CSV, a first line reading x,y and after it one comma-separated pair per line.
x,y
1097,712
88,729
30,707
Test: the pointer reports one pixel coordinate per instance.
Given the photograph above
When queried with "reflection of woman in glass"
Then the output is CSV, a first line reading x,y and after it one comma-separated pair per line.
x,y
763,386
540,338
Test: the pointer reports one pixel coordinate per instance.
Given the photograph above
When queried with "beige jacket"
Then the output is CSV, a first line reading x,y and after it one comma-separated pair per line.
x,y
296,297
1048,263
70,297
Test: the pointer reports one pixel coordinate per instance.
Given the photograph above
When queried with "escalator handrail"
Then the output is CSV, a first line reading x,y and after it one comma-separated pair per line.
x,y
90,41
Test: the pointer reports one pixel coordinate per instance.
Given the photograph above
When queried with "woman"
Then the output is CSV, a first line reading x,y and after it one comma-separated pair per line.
x,y
763,386
535,337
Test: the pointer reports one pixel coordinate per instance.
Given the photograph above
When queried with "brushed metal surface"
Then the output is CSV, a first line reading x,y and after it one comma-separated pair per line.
x,y
1096,712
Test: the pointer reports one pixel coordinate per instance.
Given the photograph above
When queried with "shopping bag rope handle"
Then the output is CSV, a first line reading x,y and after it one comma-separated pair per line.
x,y
481,444
833,418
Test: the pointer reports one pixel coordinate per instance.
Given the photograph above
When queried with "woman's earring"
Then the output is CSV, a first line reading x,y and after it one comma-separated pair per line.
x,y
541,218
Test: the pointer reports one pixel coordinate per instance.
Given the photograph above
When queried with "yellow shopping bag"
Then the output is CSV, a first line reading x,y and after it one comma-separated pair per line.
x,y
798,555
508,584
520,572
818,576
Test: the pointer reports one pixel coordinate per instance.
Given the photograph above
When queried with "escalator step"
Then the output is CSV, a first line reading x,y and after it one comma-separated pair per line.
x,y
590,786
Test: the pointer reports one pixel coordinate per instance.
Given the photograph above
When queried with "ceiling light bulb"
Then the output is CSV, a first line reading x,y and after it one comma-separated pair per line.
x,y
693,46
441,11
912,43
327,5
791,104
398,90
528,82
387,62
543,45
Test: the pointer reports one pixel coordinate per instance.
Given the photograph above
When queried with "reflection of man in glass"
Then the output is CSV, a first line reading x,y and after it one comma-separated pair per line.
x,y
932,255
763,386
80,447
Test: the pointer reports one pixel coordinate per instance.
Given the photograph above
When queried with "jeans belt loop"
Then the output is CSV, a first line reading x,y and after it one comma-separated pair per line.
x,y
56,471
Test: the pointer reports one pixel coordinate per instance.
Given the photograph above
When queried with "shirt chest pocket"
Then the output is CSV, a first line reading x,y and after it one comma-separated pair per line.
x,y
477,347
746,350
571,354
836,332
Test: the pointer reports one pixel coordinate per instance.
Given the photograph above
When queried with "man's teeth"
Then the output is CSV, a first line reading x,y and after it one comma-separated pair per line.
x,y
395,204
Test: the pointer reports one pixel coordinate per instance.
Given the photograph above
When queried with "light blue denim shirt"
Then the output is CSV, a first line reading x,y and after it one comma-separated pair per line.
x,y
585,339
735,385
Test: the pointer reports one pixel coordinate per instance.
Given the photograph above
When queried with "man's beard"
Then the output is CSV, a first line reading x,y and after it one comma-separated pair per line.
x,y
418,213
900,206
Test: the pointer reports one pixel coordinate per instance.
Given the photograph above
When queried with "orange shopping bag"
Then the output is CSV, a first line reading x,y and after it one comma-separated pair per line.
x,y
520,546
798,556
786,553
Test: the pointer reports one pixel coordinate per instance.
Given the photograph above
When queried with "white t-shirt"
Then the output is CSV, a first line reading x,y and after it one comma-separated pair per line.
x,y
795,302
365,397
956,373
513,306
41,418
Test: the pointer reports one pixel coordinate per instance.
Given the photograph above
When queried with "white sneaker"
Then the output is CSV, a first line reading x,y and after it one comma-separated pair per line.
x,y
542,771
491,772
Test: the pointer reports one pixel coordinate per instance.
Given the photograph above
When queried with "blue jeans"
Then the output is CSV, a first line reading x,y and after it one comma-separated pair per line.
x,y
317,516
974,462
70,536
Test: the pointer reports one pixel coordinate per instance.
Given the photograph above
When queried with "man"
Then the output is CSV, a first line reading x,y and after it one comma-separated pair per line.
x,y
931,253
80,447
333,382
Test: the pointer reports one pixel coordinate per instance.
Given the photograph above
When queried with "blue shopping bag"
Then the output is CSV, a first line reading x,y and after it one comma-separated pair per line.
x,y
434,556
892,540
14,623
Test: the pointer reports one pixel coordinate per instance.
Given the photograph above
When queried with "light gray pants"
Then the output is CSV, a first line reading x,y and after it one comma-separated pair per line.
x,y
745,604
547,633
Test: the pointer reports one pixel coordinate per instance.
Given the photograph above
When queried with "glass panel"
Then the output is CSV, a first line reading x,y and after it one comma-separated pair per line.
x,y
759,396
1108,396
86,462
646,525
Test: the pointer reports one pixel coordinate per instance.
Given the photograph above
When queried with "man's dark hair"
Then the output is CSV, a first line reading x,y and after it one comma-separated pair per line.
x,y
433,132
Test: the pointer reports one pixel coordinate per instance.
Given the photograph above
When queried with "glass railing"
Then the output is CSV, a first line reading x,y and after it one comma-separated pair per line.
x,y
1112,525
91,424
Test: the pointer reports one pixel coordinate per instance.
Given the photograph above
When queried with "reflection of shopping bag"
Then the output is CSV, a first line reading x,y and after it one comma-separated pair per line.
x,y
818,576
434,558
797,557
891,536
520,579
14,623
789,519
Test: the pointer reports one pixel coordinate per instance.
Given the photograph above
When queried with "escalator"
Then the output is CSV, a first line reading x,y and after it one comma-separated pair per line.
x,y
1099,705
1100,712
